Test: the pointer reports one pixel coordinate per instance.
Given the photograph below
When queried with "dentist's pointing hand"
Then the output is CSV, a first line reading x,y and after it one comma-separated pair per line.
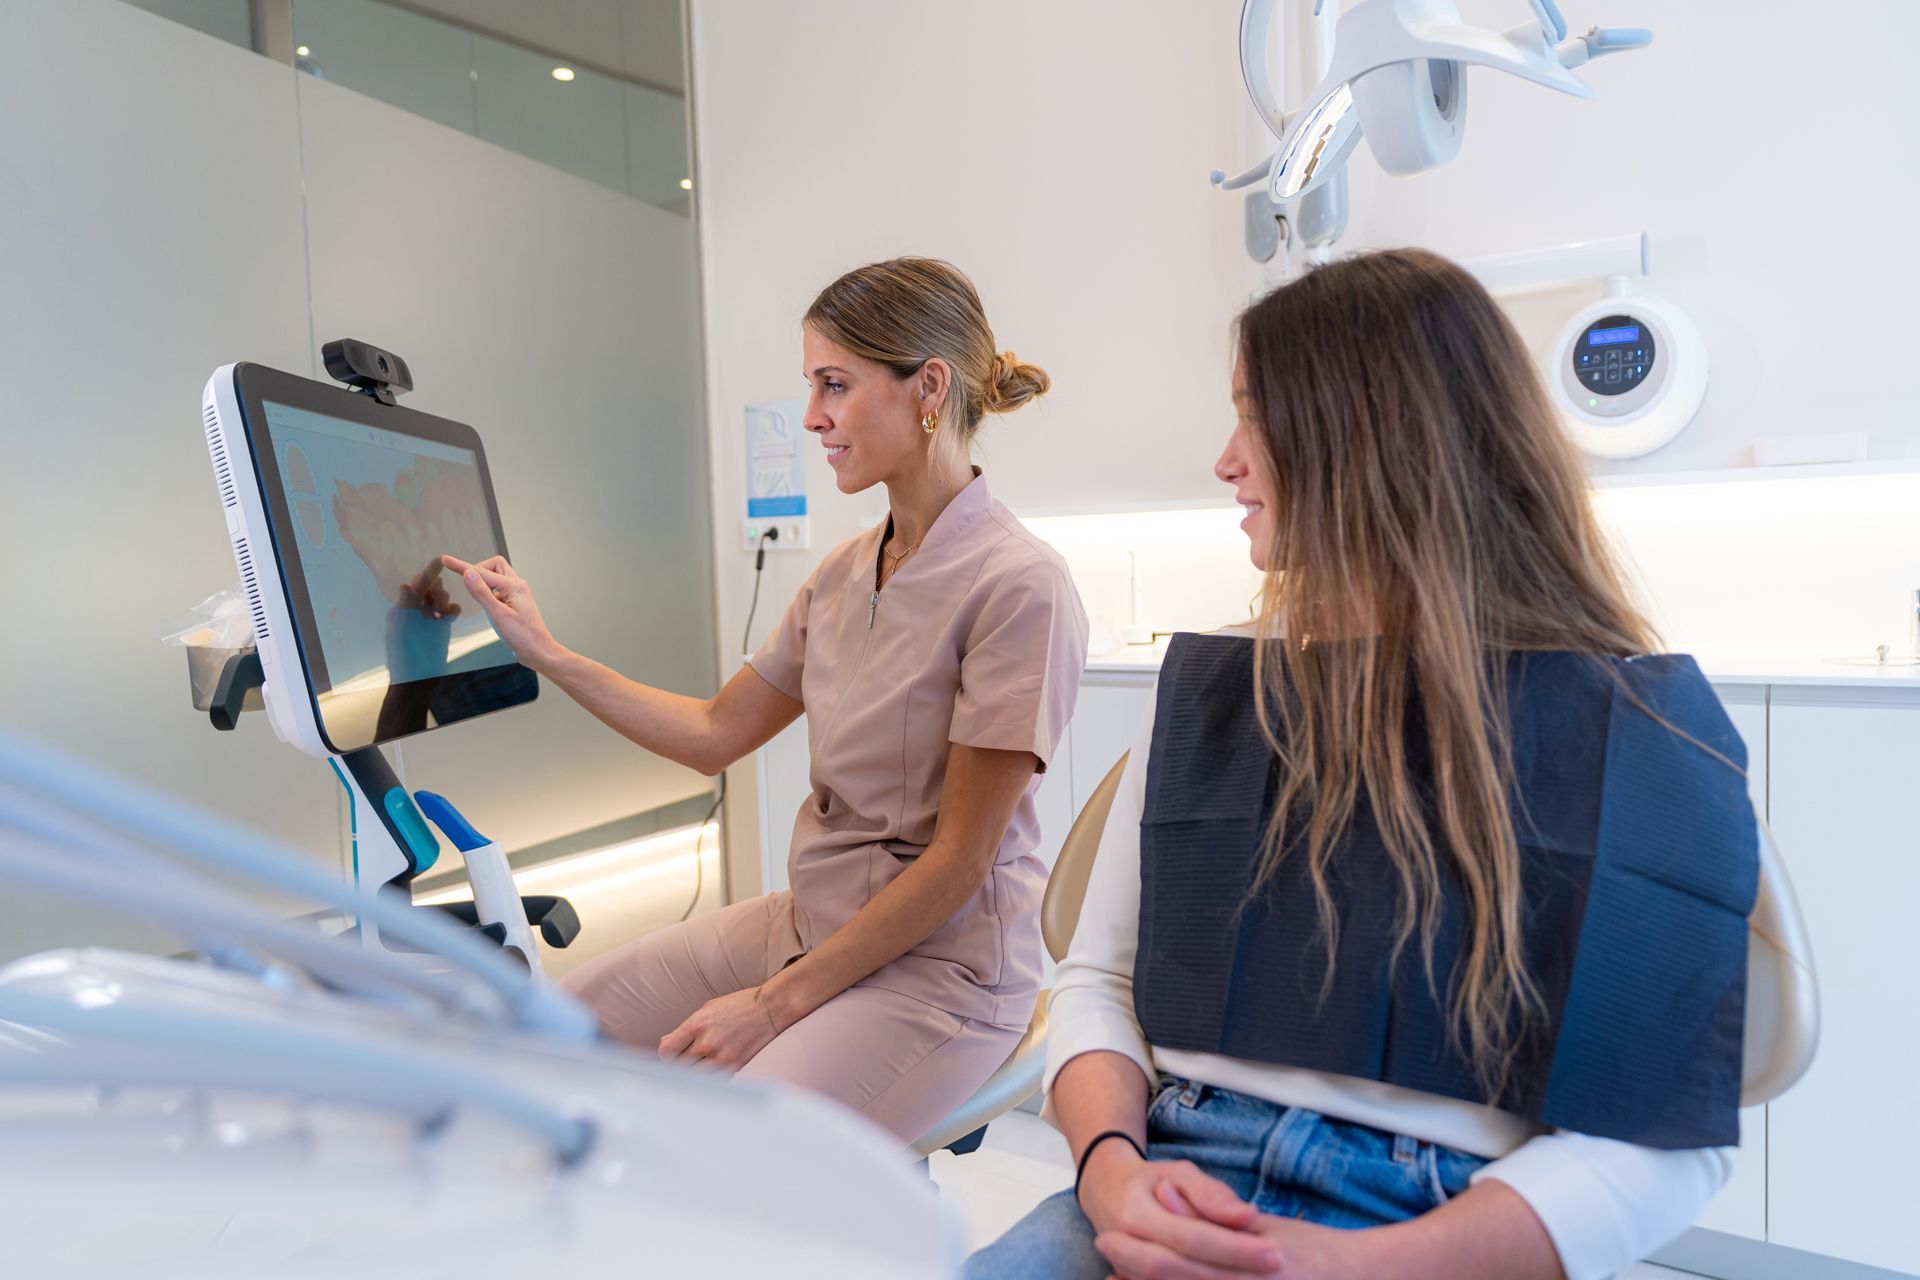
x,y
510,607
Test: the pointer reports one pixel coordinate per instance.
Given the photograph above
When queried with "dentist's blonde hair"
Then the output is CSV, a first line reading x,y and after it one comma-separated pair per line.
x,y
906,311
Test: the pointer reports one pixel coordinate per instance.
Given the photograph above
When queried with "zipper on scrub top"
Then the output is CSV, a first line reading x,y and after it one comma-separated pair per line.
x,y
833,721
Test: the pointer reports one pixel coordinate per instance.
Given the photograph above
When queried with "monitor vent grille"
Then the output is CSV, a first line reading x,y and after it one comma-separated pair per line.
x,y
222,469
248,579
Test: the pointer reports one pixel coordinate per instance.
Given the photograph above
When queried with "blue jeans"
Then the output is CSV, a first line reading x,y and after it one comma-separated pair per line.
x,y
1285,1161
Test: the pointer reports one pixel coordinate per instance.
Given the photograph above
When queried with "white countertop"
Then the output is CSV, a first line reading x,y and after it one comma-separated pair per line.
x,y
1722,666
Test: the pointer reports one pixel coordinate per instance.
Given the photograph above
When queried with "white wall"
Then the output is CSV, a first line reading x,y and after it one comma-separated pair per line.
x,y
174,203
1057,153
1763,151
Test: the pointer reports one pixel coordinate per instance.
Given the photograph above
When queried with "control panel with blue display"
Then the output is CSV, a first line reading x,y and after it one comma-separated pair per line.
x,y
1629,372
1613,356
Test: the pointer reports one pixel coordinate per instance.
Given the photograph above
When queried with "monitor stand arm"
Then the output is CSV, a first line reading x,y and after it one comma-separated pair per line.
x,y
392,843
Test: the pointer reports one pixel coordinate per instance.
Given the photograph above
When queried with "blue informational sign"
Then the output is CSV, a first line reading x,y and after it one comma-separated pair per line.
x,y
776,461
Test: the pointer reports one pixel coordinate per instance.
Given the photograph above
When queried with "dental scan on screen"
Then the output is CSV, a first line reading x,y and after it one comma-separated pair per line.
x,y
340,507
374,510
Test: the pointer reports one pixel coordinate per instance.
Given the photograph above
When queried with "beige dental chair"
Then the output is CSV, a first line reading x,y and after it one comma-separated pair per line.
x,y
1783,1001
1783,996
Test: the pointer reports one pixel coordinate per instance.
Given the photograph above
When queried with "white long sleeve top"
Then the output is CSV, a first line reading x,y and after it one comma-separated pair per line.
x,y
1604,1203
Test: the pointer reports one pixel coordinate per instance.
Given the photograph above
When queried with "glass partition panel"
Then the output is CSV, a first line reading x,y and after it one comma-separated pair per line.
x,y
183,204
658,167
414,63
606,124
546,108
227,20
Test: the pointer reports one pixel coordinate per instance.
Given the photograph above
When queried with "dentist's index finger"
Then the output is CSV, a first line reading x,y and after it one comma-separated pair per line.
x,y
480,573
490,590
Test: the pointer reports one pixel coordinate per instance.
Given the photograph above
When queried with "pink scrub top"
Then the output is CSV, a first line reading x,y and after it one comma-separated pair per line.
x,y
978,639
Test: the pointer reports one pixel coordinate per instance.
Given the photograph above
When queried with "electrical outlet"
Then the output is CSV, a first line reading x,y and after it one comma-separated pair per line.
x,y
794,534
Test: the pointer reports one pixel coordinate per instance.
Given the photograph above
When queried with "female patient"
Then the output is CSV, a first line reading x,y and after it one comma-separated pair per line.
x,y
1415,944
937,658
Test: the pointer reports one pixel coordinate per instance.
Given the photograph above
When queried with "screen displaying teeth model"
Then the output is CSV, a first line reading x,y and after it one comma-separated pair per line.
x,y
340,508
375,511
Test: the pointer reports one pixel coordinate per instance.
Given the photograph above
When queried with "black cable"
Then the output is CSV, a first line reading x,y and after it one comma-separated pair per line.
x,y
770,534
699,863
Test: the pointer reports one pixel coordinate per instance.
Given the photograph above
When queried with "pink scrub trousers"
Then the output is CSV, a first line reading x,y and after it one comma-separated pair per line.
x,y
898,1061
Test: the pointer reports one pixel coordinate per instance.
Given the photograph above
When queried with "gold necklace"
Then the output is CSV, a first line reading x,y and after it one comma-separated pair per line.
x,y
893,564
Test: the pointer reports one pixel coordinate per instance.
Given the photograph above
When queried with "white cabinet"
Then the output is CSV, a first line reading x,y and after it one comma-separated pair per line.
x,y
1104,724
1840,1179
783,770
1741,1207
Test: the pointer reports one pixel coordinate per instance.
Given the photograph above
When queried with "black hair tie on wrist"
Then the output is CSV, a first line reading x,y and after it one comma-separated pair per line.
x,y
1087,1154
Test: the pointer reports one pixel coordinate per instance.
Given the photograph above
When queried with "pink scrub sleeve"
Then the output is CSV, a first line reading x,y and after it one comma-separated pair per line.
x,y
1021,669
783,657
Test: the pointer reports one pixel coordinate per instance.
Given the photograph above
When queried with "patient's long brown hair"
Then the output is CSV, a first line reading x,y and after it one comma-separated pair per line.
x,y
1432,520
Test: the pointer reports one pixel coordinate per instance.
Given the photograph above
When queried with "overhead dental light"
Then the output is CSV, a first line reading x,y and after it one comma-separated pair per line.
x,y
1396,75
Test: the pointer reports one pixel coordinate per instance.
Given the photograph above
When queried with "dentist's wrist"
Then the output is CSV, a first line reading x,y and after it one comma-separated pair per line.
x,y
554,661
784,998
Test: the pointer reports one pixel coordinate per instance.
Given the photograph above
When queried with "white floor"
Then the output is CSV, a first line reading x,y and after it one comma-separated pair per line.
x,y
1024,1161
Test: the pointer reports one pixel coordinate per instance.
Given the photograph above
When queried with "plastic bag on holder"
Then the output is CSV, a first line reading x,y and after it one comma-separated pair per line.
x,y
213,632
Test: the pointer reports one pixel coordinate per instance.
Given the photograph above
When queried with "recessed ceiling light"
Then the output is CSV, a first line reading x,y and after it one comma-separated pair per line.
x,y
303,51
563,74
686,184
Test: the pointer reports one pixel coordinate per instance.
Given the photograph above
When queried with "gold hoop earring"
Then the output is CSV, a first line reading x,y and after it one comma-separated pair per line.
x,y
928,423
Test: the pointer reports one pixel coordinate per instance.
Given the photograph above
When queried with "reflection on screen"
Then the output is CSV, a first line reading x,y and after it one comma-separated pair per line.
x,y
374,510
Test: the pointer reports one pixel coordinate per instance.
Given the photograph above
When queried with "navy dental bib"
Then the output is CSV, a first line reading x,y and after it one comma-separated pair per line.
x,y
1640,864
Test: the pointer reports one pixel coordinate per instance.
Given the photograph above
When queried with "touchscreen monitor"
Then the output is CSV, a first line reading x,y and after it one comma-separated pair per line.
x,y
362,500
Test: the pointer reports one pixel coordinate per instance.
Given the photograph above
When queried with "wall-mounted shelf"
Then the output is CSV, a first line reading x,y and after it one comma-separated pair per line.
x,y
1747,475
1610,480
1771,668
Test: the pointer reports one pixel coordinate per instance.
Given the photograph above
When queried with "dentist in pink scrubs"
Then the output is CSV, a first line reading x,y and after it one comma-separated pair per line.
x,y
937,658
